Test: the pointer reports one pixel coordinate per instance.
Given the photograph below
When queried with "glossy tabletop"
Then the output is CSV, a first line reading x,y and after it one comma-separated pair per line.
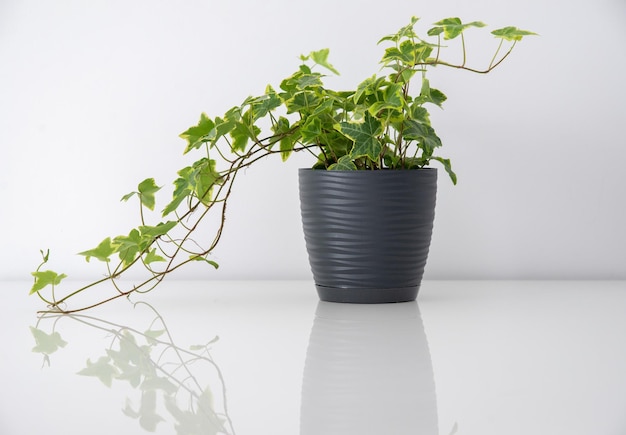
x,y
469,357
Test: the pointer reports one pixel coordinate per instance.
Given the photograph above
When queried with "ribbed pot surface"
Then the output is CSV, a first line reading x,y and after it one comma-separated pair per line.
x,y
368,233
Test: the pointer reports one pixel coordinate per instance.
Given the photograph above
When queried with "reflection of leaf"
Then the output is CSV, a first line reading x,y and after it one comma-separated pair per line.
x,y
128,372
156,383
131,360
101,369
204,346
152,335
147,415
133,353
203,421
132,375
47,343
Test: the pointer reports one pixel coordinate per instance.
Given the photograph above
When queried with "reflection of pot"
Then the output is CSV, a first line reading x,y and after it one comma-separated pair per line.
x,y
368,371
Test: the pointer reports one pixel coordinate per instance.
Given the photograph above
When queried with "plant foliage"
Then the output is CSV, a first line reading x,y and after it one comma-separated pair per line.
x,y
383,123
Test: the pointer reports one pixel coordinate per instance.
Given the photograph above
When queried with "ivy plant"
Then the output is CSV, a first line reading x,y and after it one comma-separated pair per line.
x,y
383,123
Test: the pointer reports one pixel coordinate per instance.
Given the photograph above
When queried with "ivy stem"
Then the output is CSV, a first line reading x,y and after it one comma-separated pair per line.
x,y
464,51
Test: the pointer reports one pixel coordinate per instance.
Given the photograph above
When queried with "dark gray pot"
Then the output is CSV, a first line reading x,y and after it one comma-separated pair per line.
x,y
367,233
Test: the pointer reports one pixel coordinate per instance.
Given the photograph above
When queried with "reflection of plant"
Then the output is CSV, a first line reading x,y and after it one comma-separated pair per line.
x,y
156,368
46,344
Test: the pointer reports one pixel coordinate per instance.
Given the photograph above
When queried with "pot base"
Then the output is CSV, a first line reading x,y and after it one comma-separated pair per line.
x,y
367,295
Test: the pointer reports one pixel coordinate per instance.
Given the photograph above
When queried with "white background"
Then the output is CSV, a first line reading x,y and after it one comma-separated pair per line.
x,y
94,94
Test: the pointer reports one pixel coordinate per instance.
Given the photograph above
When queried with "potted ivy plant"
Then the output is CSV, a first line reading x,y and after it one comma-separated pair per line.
x,y
367,202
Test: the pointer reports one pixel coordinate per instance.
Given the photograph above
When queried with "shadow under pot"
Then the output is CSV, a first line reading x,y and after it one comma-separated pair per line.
x,y
368,233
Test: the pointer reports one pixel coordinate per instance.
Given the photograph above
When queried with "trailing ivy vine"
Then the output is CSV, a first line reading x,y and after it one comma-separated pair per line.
x,y
381,124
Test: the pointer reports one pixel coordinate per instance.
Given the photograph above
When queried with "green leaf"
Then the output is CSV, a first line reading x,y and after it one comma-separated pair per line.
x,y
338,144
414,162
101,252
45,255
435,31
453,27
308,81
128,196
241,134
302,102
344,163
327,106
129,246
437,97
287,136
448,167
147,189
160,229
363,134
320,57
419,113
286,147
408,53
46,343
264,104
391,99
311,130
368,86
405,75
224,126
511,33
290,86
425,134
183,187
205,177
101,369
404,32
202,258
152,257
44,278
391,159
430,95
195,136
398,55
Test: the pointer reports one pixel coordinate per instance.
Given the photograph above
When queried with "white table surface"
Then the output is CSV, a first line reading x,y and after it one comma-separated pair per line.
x,y
471,358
